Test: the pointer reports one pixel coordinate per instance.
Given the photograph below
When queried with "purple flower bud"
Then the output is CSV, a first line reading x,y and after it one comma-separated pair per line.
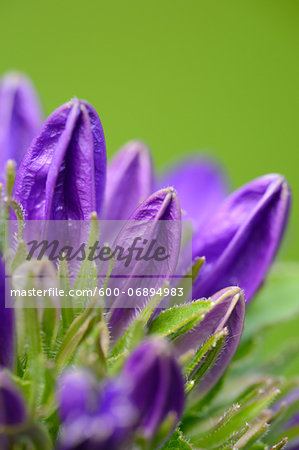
x,y
6,326
157,384
77,394
94,417
20,117
228,312
12,407
201,187
242,237
63,173
129,181
157,218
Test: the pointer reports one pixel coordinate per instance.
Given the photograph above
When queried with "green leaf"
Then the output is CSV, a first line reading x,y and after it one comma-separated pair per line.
x,y
20,255
67,312
85,275
125,344
179,319
78,330
225,430
177,442
11,203
49,326
257,429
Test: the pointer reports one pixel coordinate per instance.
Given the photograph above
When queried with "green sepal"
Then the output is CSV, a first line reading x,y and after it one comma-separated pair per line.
x,y
10,176
80,328
178,442
280,445
20,255
136,331
67,313
85,275
92,353
178,320
204,359
131,338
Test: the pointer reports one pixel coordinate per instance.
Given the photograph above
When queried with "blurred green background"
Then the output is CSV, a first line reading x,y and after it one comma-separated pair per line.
x,y
182,75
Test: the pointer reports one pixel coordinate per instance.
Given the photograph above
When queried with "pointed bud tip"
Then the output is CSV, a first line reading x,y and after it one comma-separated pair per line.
x,y
168,191
11,164
231,291
136,146
13,78
161,347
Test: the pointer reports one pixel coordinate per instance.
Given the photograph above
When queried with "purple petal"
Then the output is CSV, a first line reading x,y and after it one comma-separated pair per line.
x,y
12,407
241,239
20,116
77,394
229,311
129,181
158,386
201,187
157,218
6,326
63,173
95,417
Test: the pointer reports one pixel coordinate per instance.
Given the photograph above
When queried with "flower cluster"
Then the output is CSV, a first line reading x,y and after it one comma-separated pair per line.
x,y
143,376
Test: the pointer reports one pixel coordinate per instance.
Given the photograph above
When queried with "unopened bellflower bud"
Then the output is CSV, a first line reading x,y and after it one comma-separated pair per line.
x,y
63,173
241,239
201,187
94,416
12,406
20,117
129,181
12,409
228,312
156,221
157,385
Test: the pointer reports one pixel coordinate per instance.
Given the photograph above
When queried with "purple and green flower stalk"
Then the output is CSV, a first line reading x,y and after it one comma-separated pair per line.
x,y
149,390
129,181
20,117
63,173
241,239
